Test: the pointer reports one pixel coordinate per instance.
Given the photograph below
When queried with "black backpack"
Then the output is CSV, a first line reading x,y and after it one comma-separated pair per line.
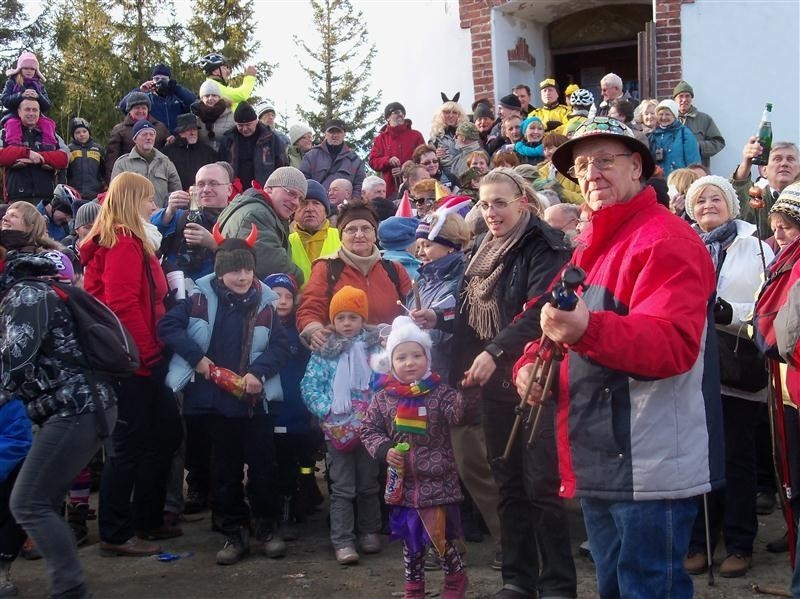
x,y
336,266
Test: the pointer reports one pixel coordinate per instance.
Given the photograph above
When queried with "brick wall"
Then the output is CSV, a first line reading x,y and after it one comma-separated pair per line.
x,y
668,45
474,15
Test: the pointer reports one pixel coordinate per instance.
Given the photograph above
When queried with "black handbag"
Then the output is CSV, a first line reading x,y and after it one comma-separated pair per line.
x,y
741,365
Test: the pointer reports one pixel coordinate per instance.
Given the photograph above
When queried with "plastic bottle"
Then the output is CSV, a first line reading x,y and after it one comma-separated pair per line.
x,y
394,479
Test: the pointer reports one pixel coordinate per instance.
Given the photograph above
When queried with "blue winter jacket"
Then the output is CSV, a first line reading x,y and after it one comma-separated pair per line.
x,y
211,322
15,436
679,146
166,108
294,415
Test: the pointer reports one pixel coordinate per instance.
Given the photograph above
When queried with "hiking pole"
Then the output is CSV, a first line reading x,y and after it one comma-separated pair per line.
x,y
709,557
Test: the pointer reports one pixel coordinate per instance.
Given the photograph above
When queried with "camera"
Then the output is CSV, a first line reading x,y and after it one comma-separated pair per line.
x,y
161,85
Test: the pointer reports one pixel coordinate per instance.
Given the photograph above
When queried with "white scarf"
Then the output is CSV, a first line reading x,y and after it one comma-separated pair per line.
x,y
153,234
352,373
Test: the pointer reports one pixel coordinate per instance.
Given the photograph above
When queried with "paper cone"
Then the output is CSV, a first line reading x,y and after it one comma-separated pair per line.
x,y
404,207
441,193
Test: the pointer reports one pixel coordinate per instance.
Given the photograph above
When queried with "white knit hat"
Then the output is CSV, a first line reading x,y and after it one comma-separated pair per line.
x,y
403,329
720,182
670,105
210,88
298,131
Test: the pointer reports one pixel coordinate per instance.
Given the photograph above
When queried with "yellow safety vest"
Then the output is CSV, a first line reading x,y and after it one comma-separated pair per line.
x,y
331,244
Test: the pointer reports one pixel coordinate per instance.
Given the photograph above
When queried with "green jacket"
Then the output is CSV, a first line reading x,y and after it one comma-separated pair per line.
x,y
159,170
708,136
272,246
295,157
760,218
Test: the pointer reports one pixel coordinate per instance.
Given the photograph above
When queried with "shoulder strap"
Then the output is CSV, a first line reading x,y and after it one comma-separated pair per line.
x,y
391,270
335,268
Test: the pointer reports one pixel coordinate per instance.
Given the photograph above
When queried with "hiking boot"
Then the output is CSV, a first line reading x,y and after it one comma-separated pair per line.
x,y
195,502
237,546
76,518
7,588
347,555
370,543
414,590
695,562
133,547
274,546
455,585
779,545
765,503
735,565
29,550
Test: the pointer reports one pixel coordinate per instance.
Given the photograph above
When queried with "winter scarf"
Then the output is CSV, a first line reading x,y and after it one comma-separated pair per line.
x,y
352,373
209,114
529,150
411,416
362,263
717,240
481,295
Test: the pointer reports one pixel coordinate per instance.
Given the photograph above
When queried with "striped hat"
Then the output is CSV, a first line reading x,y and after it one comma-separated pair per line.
x,y
788,203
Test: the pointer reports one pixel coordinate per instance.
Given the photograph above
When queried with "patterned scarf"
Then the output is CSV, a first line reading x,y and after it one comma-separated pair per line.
x,y
717,240
411,415
481,295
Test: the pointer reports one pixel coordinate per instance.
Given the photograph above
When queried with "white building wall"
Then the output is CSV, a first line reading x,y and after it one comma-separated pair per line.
x,y
505,32
738,55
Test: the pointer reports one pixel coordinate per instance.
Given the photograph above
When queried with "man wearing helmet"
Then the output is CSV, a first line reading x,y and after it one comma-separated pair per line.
x,y
582,101
59,209
216,67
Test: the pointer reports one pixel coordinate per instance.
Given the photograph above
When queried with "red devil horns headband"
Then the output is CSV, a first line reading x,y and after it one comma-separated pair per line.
x,y
250,240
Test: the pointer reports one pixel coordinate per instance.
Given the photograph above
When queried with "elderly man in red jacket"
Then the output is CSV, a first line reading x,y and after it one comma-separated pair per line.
x,y
394,145
31,168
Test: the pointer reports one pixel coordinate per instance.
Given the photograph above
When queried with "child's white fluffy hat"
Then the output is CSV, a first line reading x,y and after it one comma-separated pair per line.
x,y
403,329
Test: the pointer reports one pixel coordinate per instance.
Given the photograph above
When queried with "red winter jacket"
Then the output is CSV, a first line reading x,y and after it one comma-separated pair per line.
x,y
116,276
397,141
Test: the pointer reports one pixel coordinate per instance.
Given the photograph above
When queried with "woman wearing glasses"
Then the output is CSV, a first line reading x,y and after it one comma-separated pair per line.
x,y
426,156
516,260
358,263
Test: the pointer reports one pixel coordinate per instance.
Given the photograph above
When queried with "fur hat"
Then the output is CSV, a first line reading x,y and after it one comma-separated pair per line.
x,y
510,102
280,279
720,182
356,211
162,69
349,299
86,214
244,113
317,192
681,88
670,105
210,88
185,122
391,107
136,98
403,330
26,60
288,176
788,203
78,123
397,232
140,126
468,130
298,131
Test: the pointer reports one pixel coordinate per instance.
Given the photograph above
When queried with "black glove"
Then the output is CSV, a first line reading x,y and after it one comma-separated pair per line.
x,y
723,312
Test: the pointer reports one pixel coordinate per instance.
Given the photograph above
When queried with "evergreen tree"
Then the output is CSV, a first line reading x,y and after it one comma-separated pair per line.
x,y
138,38
339,72
10,21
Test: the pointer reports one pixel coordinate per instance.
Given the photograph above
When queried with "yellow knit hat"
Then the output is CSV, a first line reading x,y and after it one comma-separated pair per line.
x,y
349,299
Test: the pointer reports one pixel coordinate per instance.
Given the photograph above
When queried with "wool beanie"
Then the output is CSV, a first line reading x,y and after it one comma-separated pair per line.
x,y
210,88
468,130
391,107
288,176
356,211
681,88
162,69
397,232
403,330
317,192
722,184
788,203
349,299
670,105
298,131
571,88
482,111
86,214
526,123
136,98
454,232
140,126
280,279
511,102
233,254
244,113
78,123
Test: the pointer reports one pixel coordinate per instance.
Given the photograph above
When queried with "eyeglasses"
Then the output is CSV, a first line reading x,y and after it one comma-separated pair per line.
x,y
202,184
498,205
423,201
429,162
366,231
293,193
603,162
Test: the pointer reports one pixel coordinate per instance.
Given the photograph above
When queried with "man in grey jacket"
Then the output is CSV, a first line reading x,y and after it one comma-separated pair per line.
x,y
702,125
333,159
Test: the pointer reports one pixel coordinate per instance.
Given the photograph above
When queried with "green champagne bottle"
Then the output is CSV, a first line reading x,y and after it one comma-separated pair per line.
x,y
764,136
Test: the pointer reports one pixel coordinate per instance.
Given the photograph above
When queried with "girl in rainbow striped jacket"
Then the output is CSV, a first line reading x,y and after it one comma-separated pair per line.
x,y
410,404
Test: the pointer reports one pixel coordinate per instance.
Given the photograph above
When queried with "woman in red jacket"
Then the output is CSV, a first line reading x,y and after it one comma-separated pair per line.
x,y
121,270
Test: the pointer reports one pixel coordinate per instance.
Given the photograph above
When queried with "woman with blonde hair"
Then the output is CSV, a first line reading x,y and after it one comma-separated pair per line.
x,y
516,260
645,114
443,134
24,228
121,270
678,184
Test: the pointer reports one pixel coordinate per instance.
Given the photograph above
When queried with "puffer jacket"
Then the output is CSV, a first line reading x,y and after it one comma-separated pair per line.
x,y
120,140
430,476
85,171
398,142
160,171
32,181
166,108
41,360
678,145
318,164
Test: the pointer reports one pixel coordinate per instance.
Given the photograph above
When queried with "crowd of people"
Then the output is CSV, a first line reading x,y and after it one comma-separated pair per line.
x,y
278,303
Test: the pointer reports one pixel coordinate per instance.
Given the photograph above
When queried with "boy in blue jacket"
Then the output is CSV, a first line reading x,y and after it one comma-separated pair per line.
x,y
229,322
